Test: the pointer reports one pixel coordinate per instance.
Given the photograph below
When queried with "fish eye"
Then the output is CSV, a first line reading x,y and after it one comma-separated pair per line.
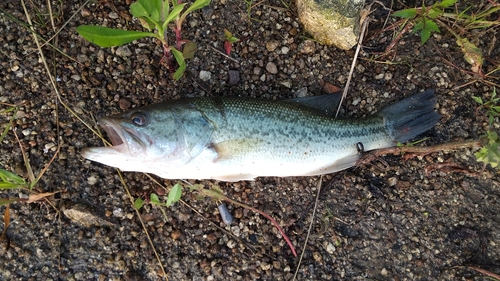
x,y
139,118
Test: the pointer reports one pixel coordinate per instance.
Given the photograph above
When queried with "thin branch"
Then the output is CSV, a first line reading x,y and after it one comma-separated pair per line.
x,y
310,227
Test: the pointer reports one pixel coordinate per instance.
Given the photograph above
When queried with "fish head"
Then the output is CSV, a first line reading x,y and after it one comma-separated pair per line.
x,y
139,139
147,139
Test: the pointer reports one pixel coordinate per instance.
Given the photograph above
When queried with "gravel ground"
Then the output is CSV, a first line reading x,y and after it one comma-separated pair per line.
x,y
392,219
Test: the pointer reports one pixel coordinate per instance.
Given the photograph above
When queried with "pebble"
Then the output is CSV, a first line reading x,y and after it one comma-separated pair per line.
x,y
302,92
113,15
285,50
257,70
26,132
118,212
307,47
234,77
205,75
329,88
330,248
92,180
85,12
49,146
176,234
124,104
123,51
265,266
272,45
392,181
286,84
271,67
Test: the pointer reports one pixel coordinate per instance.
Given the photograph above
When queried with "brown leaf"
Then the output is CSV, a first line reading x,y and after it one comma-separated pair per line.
x,y
35,197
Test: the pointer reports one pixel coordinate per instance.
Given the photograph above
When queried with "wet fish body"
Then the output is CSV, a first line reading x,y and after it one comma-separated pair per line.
x,y
235,139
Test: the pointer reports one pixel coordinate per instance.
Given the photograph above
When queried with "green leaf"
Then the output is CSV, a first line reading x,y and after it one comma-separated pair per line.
x,y
434,13
198,4
147,8
174,195
138,203
424,35
217,189
154,199
478,99
431,26
492,137
176,11
406,13
489,154
227,34
147,23
179,57
189,50
447,3
109,37
418,26
166,9
11,177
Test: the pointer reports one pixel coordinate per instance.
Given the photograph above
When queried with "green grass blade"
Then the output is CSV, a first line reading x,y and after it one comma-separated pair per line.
x,y
9,185
7,128
7,176
7,201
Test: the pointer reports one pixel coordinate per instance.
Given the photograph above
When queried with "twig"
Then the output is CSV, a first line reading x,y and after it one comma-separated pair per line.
x,y
222,53
310,226
484,271
346,88
370,156
142,223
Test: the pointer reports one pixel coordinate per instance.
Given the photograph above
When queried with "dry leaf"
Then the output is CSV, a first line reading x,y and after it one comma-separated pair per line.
x,y
35,197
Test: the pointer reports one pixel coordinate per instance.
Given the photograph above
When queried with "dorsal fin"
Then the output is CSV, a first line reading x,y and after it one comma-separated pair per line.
x,y
325,103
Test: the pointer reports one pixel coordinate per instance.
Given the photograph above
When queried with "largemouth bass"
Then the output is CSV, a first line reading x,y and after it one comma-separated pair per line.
x,y
232,139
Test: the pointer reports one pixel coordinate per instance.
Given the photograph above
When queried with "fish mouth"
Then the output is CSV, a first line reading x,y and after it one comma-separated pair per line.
x,y
124,140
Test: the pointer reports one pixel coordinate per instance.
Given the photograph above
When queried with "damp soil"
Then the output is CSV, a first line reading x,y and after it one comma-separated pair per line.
x,y
429,217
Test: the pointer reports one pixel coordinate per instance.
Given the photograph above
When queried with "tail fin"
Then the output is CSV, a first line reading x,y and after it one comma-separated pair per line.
x,y
410,117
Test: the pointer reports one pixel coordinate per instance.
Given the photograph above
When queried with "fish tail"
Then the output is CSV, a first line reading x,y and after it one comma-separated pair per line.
x,y
410,117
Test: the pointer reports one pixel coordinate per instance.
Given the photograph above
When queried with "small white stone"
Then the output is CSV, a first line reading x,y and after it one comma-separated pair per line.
x,y
92,180
118,212
330,248
205,75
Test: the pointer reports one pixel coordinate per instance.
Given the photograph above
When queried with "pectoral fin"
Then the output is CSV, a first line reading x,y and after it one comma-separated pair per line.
x,y
235,148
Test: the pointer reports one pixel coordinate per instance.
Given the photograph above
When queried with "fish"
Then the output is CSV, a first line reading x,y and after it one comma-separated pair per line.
x,y
234,139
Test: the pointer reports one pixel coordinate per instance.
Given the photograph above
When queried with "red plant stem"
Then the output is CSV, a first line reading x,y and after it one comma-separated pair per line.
x,y
178,38
274,222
